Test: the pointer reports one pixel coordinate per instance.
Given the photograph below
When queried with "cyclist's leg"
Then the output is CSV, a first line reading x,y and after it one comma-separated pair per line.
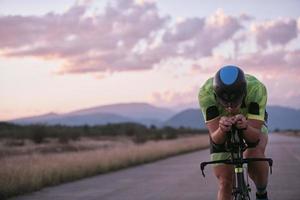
x,y
224,174
258,171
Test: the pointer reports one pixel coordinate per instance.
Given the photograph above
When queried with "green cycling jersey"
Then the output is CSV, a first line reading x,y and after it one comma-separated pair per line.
x,y
253,106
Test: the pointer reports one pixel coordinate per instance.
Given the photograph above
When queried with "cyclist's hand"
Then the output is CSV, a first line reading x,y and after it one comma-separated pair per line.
x,y
241,121
225,123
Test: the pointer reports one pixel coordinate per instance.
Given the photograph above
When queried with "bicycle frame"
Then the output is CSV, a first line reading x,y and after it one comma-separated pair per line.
x,y
236,145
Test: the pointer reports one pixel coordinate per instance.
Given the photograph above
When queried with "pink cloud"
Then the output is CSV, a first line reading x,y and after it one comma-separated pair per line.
x,y
98,43
273,62
265,62
19,31
131,36
283,88
279,31
197,37
171,98
120,38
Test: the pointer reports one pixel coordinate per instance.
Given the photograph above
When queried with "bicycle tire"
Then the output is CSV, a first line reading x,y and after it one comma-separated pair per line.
x,y
244,193
242,197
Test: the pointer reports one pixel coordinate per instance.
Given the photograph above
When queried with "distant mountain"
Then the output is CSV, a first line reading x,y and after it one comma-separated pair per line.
x,y
131,110
36,119
74,120
90,119
283,118
192,118
116,113
279,117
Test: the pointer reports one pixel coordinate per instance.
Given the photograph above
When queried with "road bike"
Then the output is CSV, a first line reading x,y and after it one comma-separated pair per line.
x,y
236,145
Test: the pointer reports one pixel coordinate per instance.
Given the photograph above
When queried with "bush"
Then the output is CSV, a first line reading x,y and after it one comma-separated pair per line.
x,y
277,130
139,139
170,136
38,134
63,139
15,142
137,132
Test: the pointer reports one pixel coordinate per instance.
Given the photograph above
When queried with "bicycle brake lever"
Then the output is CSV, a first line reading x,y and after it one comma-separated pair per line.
x,y
270,165
203,173
202,169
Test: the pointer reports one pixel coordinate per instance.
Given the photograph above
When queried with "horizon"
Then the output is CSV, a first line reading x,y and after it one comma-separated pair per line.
x,y
175,109
76,54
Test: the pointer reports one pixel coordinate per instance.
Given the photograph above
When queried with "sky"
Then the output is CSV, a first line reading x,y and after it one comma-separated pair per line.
x,y
60,56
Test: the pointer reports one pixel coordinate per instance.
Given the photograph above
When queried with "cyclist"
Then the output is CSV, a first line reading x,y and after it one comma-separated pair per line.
x,y
232,97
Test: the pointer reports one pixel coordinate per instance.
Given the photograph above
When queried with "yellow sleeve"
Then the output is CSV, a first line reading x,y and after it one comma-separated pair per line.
x,y
206,102
257,102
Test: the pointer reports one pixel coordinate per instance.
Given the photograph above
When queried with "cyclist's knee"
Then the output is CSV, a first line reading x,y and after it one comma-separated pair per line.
x,y
224,174
225,183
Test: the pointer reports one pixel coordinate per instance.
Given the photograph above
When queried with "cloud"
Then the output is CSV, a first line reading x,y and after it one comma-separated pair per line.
x,y
31,32
196,37
170,98
276,62
128,35
96,43
132,35
275,32
282,88
270,66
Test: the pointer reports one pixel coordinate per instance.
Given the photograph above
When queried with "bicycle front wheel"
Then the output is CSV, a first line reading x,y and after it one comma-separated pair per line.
x,y
242,187
242,197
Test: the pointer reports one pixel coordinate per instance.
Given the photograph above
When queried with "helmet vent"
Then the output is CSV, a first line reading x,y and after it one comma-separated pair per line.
x,y
229,75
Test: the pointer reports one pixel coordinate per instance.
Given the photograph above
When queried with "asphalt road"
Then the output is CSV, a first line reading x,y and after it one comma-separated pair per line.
x,y
179,178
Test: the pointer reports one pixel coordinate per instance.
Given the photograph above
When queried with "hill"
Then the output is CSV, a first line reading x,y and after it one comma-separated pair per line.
x,y
115,113
188,118
282,118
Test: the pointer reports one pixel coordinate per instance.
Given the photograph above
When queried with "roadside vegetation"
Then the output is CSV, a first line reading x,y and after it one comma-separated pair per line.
x,y
288,132
136,132
36,156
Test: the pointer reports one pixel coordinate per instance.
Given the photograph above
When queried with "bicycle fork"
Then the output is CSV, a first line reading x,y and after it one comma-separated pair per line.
x,y
241,181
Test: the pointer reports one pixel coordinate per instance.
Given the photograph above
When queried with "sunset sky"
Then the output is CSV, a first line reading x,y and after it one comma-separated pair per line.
x,y
67,55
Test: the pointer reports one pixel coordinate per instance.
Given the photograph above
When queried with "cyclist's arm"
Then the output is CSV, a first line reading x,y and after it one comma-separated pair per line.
x,y
211,113
256,112
253,131
216,134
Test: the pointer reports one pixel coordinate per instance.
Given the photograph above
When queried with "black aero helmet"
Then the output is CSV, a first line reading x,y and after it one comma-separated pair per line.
x,y
230,86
